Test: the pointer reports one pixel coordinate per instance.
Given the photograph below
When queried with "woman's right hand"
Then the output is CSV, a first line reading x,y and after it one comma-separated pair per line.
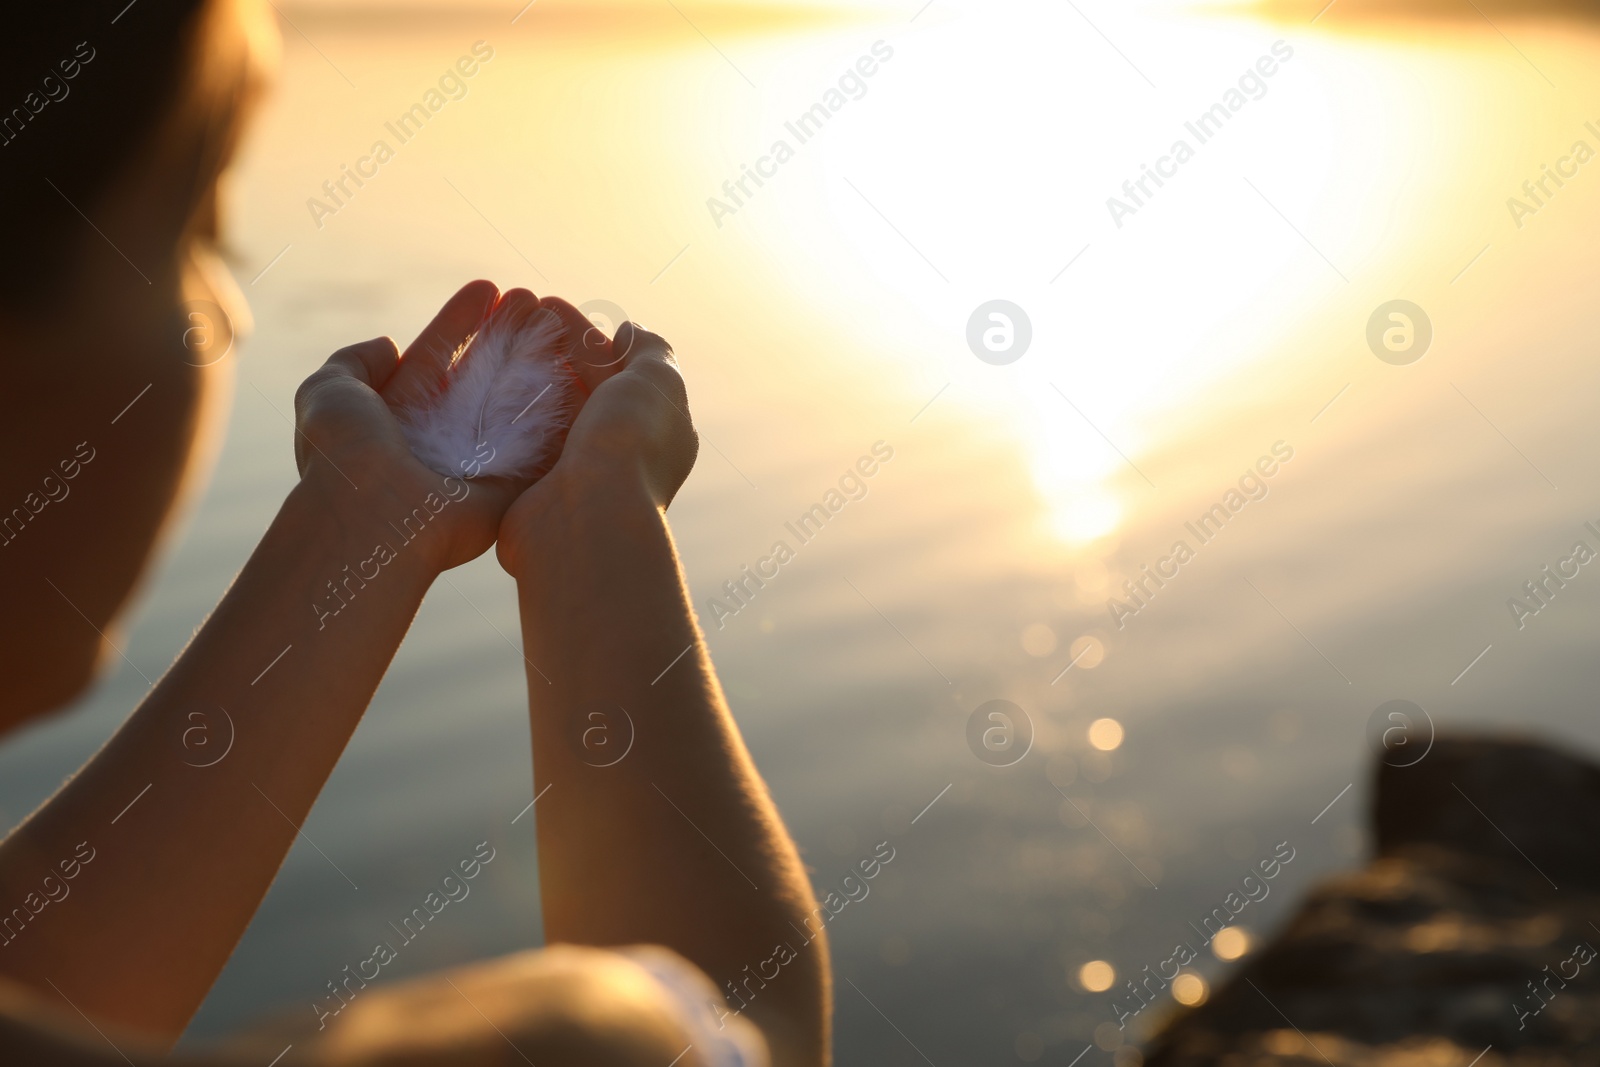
x,y
633,437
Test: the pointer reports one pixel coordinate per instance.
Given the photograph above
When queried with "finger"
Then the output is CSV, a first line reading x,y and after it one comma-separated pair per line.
x,y
370,362
635,344
422,368
647,356
348,375
514,311
590,351
520,310
515,308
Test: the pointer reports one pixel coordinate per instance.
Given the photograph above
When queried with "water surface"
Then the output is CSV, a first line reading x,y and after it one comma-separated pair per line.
x,y
828,313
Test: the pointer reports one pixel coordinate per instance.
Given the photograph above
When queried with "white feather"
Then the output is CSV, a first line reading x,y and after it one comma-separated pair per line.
x,y
506,406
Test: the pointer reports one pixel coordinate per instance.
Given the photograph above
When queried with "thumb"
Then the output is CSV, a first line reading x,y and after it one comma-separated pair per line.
x,y
635,344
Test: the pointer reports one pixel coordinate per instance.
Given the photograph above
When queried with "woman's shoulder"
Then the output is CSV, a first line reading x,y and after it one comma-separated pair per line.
x,y
566,1004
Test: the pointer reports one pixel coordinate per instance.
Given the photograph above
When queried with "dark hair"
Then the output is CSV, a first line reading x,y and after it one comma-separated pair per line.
x,y
83,84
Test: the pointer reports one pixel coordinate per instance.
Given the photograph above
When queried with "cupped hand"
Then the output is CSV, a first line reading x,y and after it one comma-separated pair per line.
x,y
633,435
349,446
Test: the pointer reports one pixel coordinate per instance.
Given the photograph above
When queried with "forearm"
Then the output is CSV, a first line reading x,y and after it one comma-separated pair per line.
x,y
676,843
172,833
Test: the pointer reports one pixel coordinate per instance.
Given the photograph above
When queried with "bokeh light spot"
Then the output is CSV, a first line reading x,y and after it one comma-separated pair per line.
x,y
1096,976
1038,640
1231,943
1106,734
1189,989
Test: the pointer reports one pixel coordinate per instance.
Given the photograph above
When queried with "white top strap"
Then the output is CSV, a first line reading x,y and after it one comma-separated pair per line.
x,y
719,1037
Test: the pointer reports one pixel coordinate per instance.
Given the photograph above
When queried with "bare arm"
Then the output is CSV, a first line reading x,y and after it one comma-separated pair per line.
x,y
677,843
136,917
124,895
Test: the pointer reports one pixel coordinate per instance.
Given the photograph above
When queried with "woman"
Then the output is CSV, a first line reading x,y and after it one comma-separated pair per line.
x,y
129,888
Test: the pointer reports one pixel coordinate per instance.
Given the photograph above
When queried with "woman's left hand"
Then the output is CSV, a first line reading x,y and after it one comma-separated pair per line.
x,y
350,449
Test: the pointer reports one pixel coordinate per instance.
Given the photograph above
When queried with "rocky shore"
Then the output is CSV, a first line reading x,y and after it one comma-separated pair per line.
x,y
1470,938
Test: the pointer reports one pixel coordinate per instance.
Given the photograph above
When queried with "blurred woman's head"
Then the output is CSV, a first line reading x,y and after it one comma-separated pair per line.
x,y
117,122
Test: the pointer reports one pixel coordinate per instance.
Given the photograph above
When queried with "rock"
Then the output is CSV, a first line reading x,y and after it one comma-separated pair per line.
x,y
1469,933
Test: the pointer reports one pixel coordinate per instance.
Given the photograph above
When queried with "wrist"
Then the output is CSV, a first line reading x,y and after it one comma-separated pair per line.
x,y
375,529
568,507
